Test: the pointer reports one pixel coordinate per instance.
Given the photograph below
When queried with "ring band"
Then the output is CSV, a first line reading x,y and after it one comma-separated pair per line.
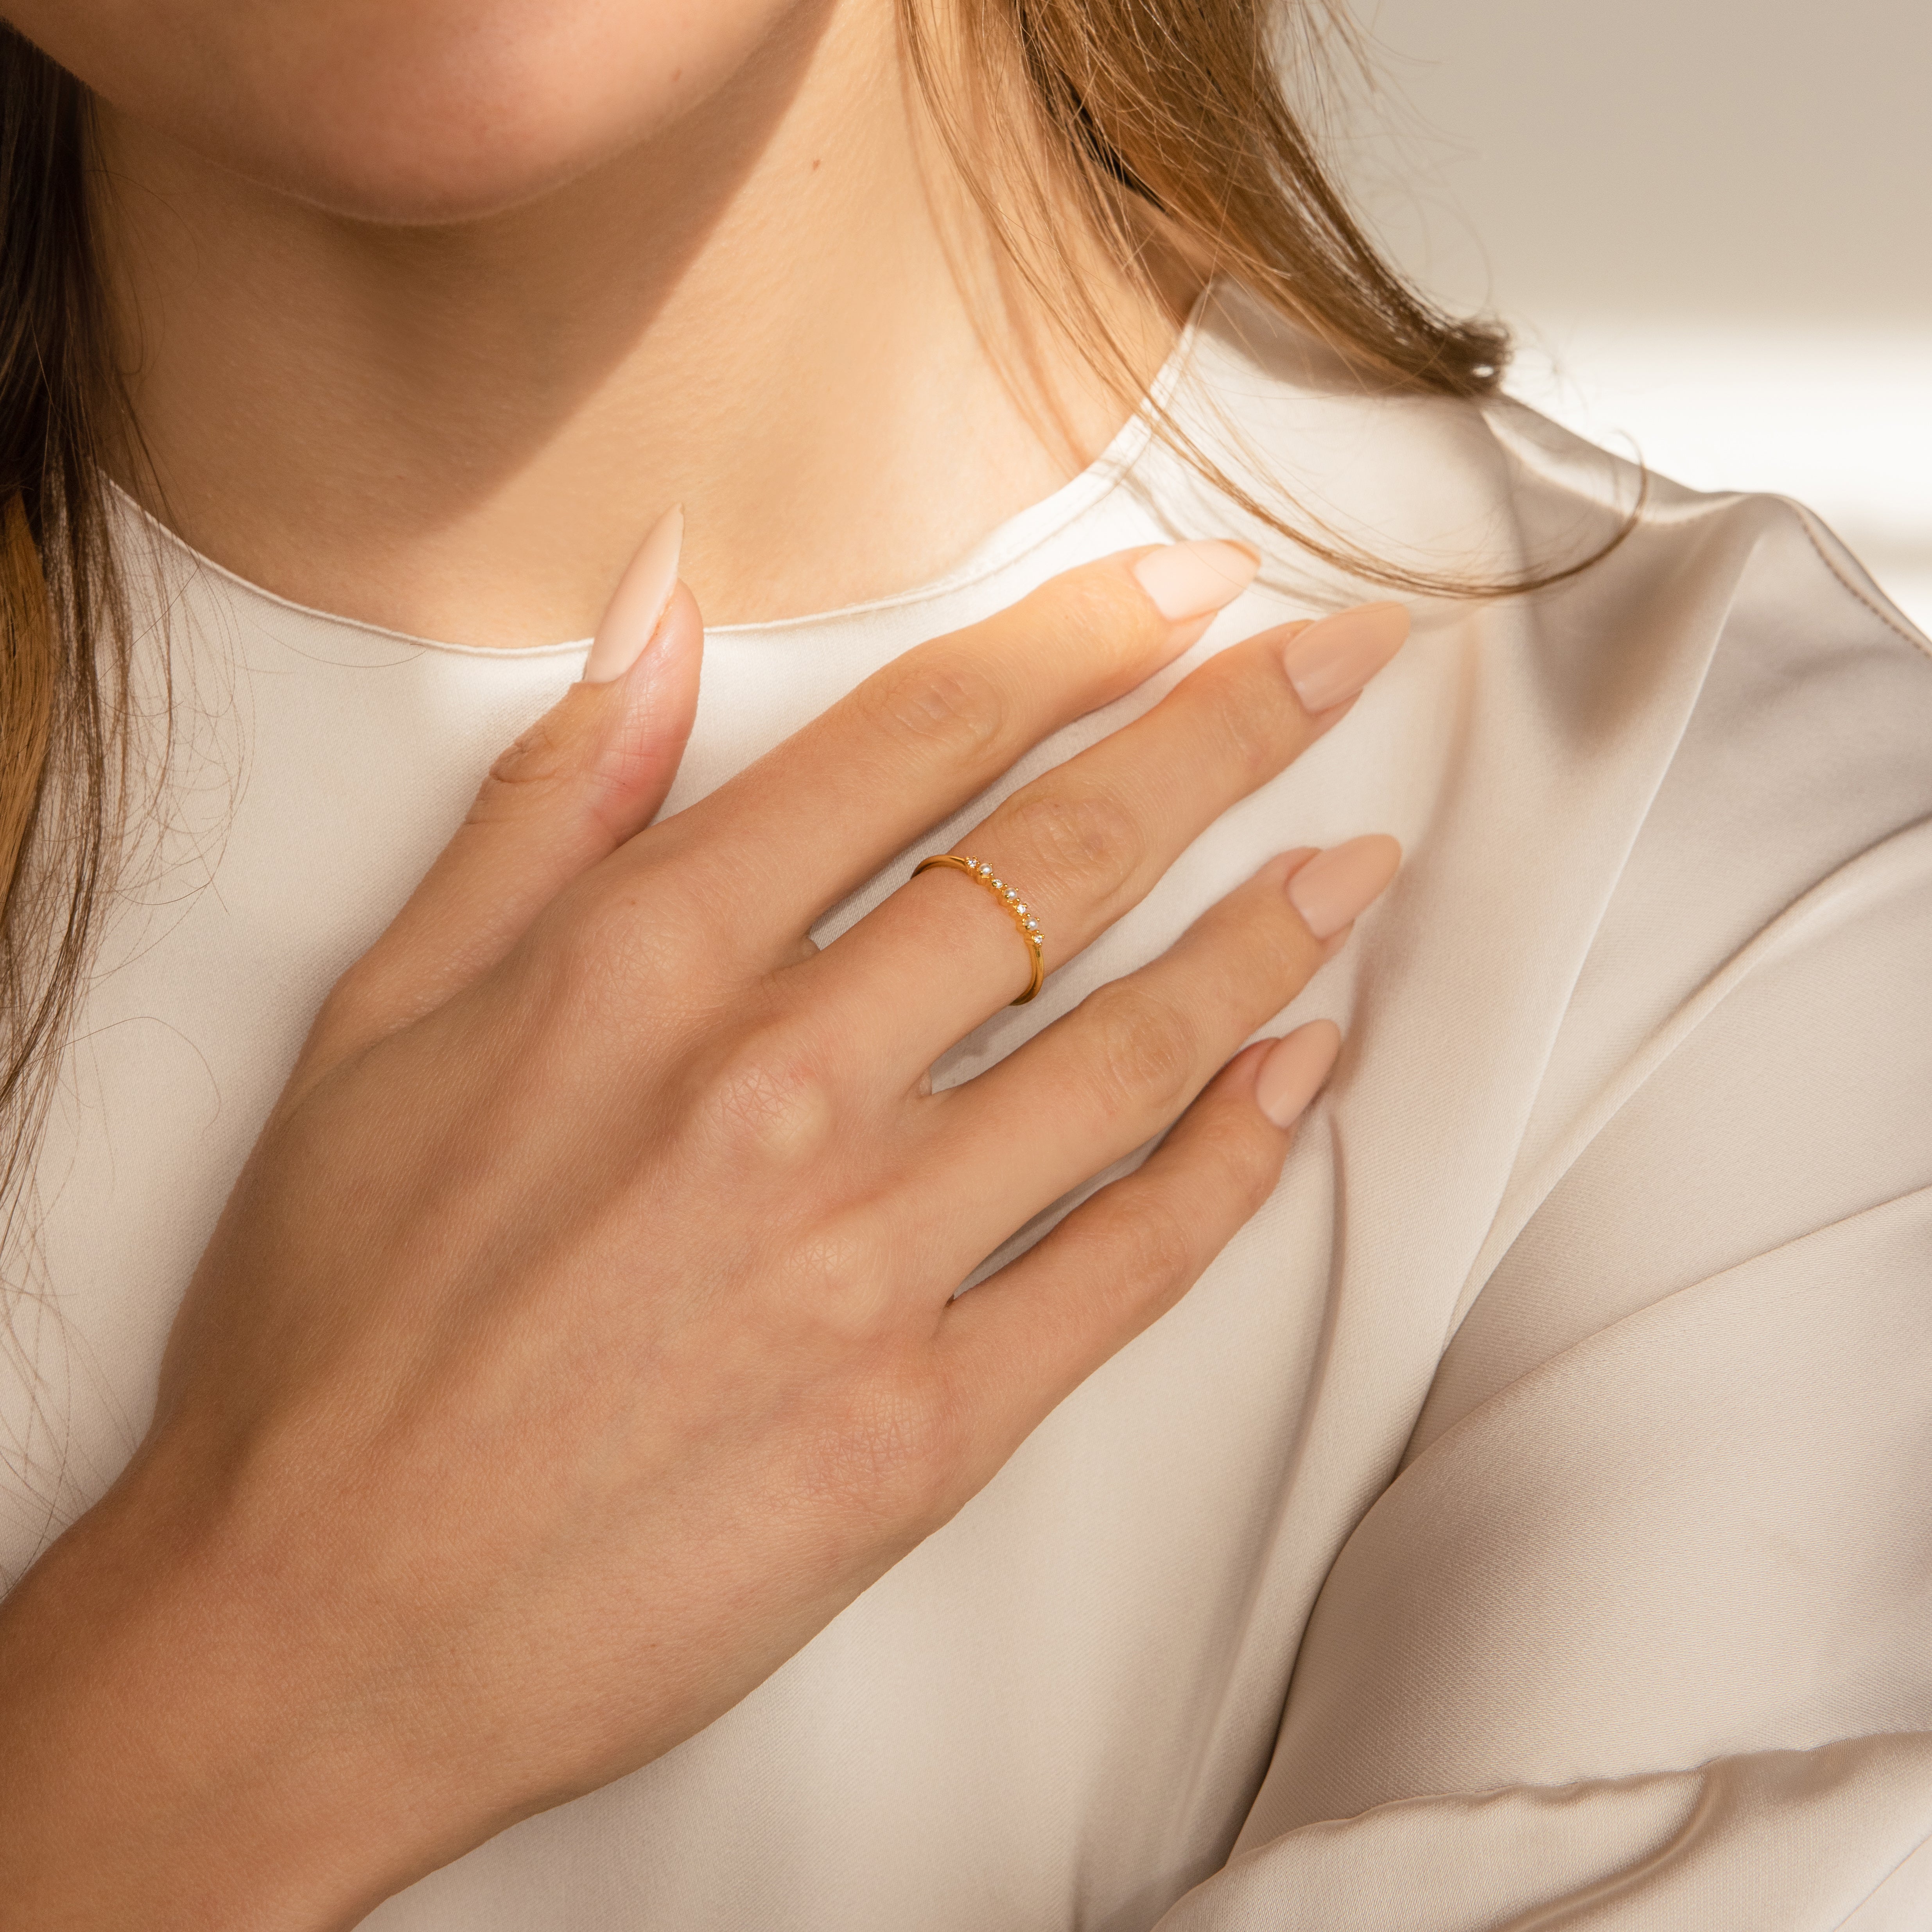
x,y
1028,927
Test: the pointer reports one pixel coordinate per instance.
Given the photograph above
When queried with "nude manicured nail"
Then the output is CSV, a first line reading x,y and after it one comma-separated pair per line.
x,y
1292,1074
1188,580
642,595
1336,885
1332,659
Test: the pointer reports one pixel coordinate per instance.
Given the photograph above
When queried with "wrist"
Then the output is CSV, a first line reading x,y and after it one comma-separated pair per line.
x,y
166,1757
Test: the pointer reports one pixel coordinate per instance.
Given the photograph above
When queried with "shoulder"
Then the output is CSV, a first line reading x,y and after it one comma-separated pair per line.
x,y
1744,1056
1689,777
1445,484
1799,743
1780,677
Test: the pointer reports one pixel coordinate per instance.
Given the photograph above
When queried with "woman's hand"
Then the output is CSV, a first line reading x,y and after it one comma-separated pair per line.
x,y
579,1338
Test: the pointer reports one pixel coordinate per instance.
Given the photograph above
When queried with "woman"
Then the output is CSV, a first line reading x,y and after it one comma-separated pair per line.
x,y
573,1496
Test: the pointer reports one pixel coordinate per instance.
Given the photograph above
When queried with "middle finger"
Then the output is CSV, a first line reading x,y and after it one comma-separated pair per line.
x,y
1088,840
1135,1052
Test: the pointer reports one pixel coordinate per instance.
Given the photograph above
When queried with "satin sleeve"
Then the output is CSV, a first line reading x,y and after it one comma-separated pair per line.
x,y
1639,1638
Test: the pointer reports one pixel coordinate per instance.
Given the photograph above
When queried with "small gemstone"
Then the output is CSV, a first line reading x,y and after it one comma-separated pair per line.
x,y
1009,894
996,885
1032,925
1039,938
1020,909
985,871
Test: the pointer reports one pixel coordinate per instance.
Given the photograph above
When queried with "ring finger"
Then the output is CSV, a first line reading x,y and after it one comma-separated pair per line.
x,y
1081,844
1127,1060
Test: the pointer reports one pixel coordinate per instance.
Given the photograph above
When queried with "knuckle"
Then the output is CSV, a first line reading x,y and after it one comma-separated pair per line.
x,y
1250,729
837,1287
939,701
1091,843
542,757
1243,1154
1159,1245
771,1100
1142,1050
1103,615
535,753
599,946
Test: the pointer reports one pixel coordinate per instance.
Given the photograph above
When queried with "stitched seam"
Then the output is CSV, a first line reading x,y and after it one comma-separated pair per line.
x,y
1846,584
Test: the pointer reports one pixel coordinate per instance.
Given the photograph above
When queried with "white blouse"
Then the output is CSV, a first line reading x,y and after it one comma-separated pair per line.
x,y
1526,1521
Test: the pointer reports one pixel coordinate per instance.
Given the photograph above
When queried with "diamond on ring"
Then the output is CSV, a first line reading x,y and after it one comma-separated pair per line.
x,y
982,873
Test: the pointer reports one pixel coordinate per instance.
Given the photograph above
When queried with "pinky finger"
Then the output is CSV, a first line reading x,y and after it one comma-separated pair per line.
x,y
1022,1341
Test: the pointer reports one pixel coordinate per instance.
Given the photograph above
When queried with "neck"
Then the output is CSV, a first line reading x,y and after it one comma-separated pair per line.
x,y
461,431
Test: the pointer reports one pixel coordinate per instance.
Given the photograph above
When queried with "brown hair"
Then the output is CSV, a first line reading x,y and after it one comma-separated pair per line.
x,y
1168,123
63,626
1161,117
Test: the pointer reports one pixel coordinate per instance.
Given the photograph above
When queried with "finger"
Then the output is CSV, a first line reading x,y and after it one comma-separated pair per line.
x,y
586,776
815,817
1080,845
1020,1341
1119,1067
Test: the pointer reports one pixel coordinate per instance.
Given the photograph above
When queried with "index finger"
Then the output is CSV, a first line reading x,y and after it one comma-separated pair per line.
x,y
819,814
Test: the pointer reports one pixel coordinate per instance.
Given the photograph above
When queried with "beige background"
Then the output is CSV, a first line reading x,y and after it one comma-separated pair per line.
x,y
1710,221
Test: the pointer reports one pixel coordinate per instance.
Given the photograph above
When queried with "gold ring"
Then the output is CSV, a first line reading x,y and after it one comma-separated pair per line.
x,y
1029,927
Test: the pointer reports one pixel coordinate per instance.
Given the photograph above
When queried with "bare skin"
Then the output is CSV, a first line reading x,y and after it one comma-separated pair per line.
x,y
730,292
580,1337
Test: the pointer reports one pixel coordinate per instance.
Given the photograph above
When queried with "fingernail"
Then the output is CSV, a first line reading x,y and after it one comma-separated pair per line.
x,y
1335,886
1188,580
1333,659
1292,1074
640,600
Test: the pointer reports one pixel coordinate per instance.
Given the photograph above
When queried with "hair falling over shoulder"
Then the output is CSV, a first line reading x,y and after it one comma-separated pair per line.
x,y
1162,125
1168,126
1175,115
63,698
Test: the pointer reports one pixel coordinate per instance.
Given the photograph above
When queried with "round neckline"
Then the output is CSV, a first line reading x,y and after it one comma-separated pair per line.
x,y
1005,544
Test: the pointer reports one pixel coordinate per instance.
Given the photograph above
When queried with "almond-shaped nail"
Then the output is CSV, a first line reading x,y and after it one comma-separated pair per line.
x,y
643,593
1331,660
1188,580
1337,885
1296,1066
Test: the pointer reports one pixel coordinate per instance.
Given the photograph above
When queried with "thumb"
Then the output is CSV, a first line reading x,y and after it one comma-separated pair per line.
x,y
589,774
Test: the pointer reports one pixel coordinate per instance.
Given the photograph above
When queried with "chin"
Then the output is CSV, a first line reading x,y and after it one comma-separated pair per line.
x,y
448,158
405,111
